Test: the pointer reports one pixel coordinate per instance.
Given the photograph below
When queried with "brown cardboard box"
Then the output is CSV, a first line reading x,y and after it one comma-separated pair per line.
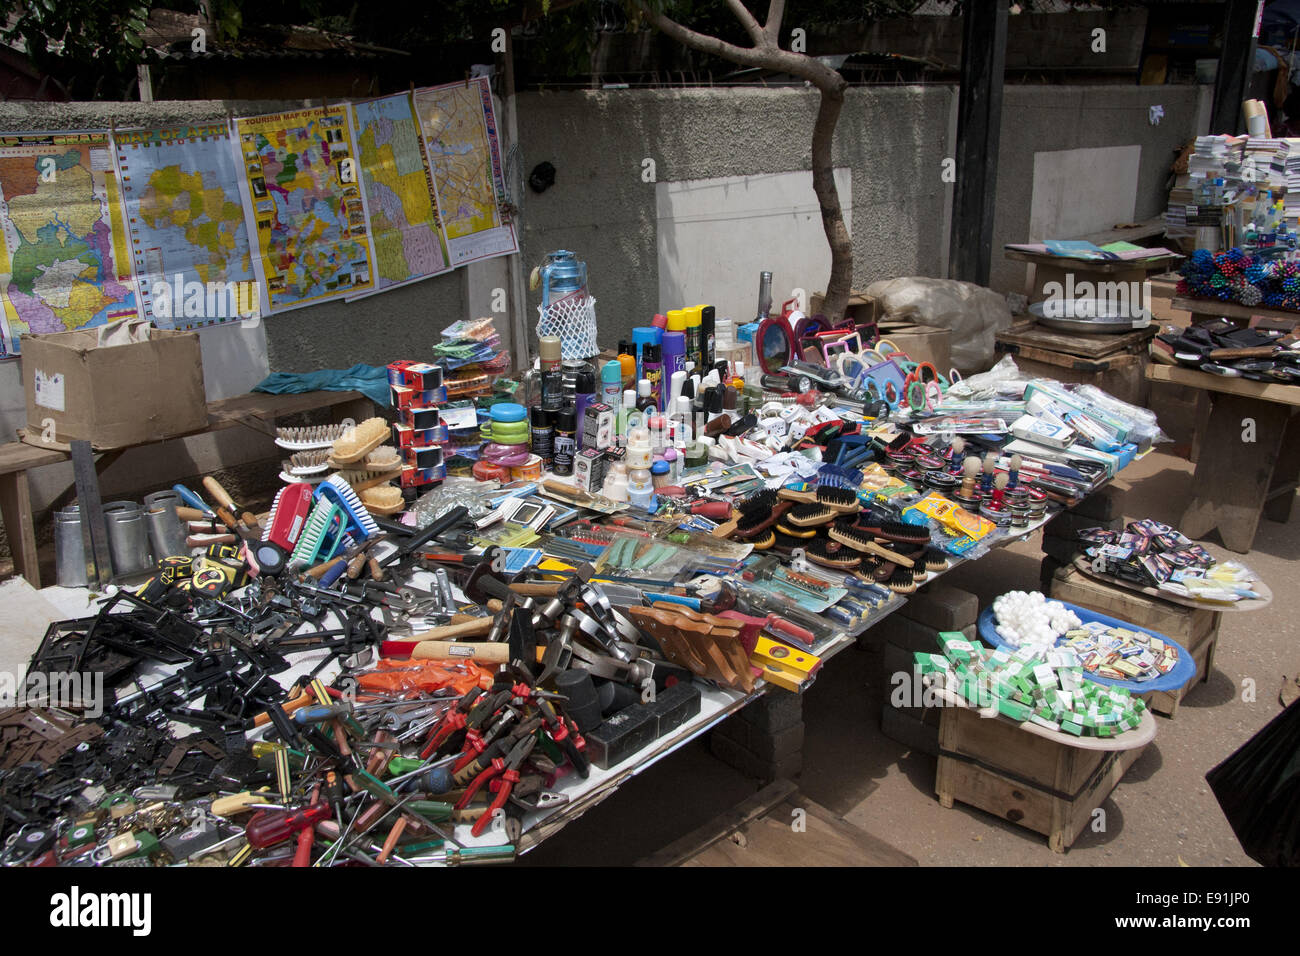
x,y
114,396
861,308
922,343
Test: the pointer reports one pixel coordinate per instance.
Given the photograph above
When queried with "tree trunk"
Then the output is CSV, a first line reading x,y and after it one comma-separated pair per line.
x,y
840,283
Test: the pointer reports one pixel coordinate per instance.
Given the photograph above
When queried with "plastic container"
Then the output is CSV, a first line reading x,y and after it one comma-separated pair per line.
x,y
1182,672
530,470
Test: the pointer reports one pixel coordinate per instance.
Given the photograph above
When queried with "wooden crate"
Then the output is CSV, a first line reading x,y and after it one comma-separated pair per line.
x,y
1043,785
1114,363
1196,629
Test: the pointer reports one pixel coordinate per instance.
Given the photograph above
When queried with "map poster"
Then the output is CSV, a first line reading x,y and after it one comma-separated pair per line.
x,y
404,226
64,262
301,185
460,136
189,240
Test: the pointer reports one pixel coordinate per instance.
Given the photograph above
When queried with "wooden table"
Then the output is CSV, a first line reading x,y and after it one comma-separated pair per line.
x,y
1049,268
1204,310
1250,455
255,410
1115,363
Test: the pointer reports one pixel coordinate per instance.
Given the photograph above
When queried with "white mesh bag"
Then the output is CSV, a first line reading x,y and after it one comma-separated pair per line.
x,y
573,319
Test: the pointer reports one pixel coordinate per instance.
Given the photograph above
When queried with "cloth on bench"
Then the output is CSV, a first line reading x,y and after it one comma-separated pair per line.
x,y
370,380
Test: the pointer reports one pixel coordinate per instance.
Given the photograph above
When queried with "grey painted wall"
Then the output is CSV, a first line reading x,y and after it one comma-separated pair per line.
x,y
893,139
1046,118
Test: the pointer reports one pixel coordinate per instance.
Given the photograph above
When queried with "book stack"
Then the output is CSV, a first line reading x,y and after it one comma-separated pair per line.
x,y
1286,165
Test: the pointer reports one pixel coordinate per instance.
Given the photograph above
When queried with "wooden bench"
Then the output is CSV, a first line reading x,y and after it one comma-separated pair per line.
x,y
255,410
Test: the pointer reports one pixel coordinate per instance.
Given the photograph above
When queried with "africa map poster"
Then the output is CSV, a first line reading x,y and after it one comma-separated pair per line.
x,y
404,226
460,137
64,262
306,211
189,238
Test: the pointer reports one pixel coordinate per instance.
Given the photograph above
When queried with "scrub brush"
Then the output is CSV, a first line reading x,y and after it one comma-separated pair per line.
x,y
383,458
385,499
306,462
357,442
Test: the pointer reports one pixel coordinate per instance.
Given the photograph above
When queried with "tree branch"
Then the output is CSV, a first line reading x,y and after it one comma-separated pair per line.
x,y
766,57
703,42
748,22
775,14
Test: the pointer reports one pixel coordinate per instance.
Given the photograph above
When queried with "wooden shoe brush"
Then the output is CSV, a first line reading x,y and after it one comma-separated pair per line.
x,y
901,581
841,500
750,516
861,541
831,555
810,515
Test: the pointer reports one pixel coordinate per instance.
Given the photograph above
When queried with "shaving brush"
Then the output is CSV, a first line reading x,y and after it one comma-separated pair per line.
x,y
970,468
986,479
1014,469
957,454
999,489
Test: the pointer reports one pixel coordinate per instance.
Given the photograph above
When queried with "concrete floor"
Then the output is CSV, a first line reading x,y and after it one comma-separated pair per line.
x,y
1162,814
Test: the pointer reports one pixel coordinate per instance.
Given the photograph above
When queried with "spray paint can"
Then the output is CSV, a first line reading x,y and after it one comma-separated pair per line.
x,y
707,313
652,370
694,336
543,435
673,355
566,442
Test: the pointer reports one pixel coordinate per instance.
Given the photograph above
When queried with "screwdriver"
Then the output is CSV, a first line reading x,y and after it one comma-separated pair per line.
x,y
268,829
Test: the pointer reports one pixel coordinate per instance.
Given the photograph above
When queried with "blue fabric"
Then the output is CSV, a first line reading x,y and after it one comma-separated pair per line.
x,y
370,380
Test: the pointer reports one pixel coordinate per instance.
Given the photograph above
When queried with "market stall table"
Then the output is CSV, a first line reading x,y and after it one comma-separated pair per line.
x,y
1114,363
255,410
1049,268
1250,458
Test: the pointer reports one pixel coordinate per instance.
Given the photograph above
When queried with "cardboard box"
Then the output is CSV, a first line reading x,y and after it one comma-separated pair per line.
x,y
922,343
114,396
861,308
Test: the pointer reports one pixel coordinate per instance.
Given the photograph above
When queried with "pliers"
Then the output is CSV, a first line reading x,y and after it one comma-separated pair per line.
x,y
451,722
507,773
565,734
476,743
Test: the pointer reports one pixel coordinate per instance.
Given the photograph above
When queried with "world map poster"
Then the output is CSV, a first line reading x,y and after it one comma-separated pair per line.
x,y
189,238
404,226
64,263
460,135
301,183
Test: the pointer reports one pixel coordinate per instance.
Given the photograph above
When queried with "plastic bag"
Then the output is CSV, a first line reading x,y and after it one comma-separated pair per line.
x,y
1258,788
1145,425
974,313
1005,379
